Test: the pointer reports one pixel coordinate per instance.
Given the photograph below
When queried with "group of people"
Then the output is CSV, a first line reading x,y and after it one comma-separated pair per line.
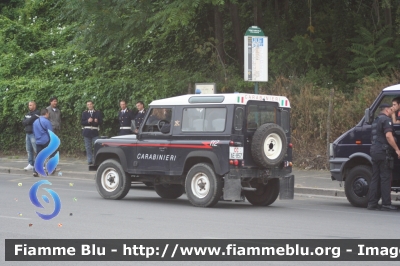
x,y
92,119
37,123
36,126
382,150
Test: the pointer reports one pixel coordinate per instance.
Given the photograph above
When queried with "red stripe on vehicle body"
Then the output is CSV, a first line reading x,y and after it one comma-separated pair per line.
x,y
204,145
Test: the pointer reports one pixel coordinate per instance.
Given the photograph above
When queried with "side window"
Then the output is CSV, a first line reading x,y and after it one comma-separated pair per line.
x,y
158,118
258,115
203,119
285,121
386,99
238,123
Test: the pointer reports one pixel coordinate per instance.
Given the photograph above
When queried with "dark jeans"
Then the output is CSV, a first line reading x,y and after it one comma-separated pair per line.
x,y
89,147
39,148
380,183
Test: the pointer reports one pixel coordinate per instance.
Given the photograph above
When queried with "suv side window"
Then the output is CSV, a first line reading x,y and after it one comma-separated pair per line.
x,y
203,119
285,120
260,114
238,123
153,123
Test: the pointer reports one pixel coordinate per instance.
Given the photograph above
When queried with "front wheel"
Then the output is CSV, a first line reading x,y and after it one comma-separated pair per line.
x,y
356,185
111,180
203,186
265,194
169,191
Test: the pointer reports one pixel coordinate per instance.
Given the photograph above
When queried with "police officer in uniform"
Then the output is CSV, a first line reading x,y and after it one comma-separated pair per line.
x,y
91,120
125,116
140,115
383,145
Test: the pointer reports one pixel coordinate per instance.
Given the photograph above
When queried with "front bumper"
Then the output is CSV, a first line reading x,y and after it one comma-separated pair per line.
x,y
336,166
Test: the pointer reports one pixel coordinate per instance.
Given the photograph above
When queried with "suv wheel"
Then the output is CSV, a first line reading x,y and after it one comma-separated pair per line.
x,y
356,185
269,145
265,194
111,180
169,191
203,186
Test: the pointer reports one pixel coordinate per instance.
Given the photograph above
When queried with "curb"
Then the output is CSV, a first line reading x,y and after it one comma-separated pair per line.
x,y
71,174
331,192
320,191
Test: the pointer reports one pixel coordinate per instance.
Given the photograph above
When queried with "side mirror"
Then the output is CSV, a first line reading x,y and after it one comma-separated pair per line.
x,y
367,116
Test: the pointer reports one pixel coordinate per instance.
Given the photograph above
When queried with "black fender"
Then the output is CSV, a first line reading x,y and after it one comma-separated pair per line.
x,y
349,162
113,150
220,168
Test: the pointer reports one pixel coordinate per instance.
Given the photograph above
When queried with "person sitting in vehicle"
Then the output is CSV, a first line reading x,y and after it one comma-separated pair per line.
x,y
159,118
396,110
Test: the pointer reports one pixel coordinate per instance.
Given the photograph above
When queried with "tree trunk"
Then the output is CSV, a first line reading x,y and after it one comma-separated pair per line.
x,y
375,6
277,9
237,32
257,13
388,17
219,38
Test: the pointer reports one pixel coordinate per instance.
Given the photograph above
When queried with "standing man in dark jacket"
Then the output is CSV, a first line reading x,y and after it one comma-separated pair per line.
x,y
30,142
125,116
382,148
54,115
91,120
140,115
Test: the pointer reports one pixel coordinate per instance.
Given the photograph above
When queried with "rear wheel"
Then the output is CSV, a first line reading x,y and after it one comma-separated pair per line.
x,y
269,145
167,191
111,180
265,194
203,186
356,185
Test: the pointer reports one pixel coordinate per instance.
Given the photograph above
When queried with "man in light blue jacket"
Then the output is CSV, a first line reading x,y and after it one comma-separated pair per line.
x,y
40,129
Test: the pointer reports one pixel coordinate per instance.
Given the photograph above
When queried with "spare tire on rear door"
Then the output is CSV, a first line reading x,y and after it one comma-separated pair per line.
x,y
269,145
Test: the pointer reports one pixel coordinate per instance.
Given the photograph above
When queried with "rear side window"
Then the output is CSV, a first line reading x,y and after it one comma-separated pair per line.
x,y
238,123
203,119
285,121
260,114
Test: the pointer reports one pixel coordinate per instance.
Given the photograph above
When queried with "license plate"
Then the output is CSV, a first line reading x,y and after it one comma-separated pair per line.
x,y
236,153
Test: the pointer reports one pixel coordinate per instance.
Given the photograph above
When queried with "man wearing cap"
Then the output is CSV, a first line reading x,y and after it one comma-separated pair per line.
x,y
383,145
140,115
125,117
91,121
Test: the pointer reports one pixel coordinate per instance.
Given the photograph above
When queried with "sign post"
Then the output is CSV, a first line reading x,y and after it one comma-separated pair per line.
x,y
255,56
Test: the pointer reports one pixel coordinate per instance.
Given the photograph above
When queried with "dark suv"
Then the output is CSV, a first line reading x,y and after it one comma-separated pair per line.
x,y
217,146
350,159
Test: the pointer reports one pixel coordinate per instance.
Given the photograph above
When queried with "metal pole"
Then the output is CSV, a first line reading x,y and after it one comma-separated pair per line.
x,y
255,87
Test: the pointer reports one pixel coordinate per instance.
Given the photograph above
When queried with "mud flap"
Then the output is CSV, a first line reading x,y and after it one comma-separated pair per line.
x,y
286,190
232,187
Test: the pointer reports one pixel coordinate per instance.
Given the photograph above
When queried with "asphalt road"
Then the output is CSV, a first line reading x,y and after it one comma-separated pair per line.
x,y
144,215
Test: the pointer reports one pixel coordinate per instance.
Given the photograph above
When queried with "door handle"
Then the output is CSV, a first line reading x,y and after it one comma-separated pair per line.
x,y
163,148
